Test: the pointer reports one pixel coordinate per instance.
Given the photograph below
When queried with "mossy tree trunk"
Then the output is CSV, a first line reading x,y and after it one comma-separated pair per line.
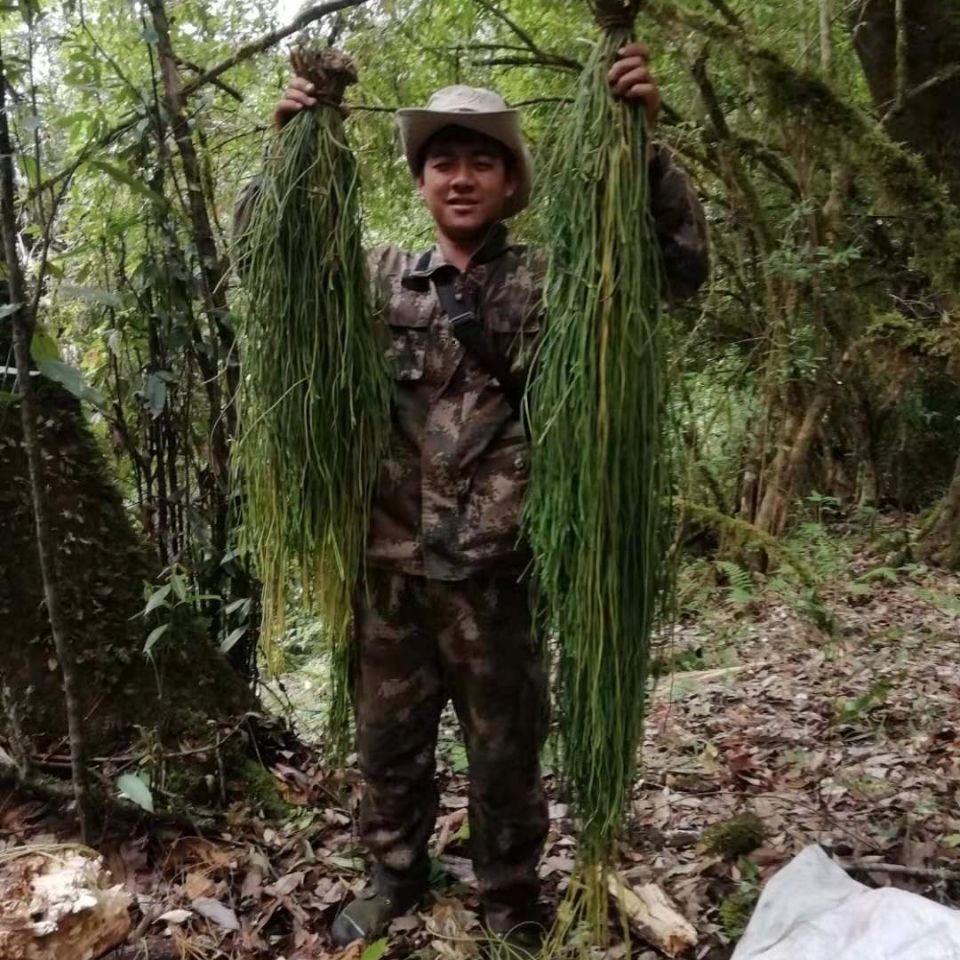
x,y
22,324
912,66
103,567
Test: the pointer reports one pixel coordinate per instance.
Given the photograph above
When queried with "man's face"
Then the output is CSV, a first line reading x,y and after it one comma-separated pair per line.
x,y
466,184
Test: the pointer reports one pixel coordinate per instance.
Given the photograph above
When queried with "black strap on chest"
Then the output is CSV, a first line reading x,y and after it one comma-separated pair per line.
x,y
467,327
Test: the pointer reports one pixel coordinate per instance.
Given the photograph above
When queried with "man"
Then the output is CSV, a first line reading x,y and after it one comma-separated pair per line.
x,y
444,612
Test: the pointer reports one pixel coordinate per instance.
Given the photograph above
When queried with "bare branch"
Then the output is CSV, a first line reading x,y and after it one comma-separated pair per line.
x,y
936,80
937,874
542,62
270,40
219,84
245,52
525,37
538,100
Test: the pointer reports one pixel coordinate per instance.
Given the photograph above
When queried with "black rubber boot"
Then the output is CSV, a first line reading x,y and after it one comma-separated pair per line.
x,y
391,895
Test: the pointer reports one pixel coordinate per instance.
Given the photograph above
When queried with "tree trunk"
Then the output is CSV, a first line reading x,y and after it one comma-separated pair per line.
x,y
910,54
23,322
223,412
796,440
914,75
941,543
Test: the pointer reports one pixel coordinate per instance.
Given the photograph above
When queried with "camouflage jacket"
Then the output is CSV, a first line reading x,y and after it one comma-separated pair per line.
x,y
452,483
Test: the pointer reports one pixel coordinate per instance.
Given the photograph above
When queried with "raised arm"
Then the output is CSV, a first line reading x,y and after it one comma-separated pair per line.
x,y
680,223
295,98
681,226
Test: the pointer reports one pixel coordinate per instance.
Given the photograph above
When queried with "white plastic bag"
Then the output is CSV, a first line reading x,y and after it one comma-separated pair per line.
x,y
811,910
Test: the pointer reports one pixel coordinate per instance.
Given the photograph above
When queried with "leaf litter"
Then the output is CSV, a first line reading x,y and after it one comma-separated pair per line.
x,y
848,739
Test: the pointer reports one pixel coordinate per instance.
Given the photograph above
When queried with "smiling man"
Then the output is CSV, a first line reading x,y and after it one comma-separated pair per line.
x,y
444,613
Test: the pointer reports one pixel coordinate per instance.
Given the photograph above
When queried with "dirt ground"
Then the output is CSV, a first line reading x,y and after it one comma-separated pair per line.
x,y
847,737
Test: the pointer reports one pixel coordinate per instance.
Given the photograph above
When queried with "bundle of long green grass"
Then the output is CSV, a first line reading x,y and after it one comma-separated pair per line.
x,y
593,511
314,403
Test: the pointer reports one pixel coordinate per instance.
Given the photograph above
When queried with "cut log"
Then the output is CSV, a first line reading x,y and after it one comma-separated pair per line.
x,y
652,916
59,906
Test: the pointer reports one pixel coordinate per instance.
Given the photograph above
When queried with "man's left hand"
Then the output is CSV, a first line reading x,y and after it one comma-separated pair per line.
x,y
630,78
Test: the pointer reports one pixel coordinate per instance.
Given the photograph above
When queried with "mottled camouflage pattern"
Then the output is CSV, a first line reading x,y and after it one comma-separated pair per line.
x,y
420,643
452,486
448,503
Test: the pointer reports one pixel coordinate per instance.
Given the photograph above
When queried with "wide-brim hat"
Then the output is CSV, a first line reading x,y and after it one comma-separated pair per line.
x,y
476,109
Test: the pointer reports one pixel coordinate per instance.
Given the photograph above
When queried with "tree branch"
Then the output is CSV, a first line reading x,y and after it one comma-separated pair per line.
x,y
212,269
536,101
900,18
247,51
268,40
219,84
544,62
942,77
937,874
729,156
525,37
727,14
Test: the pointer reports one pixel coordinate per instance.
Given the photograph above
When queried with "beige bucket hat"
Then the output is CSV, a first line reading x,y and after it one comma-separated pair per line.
x,y
476,109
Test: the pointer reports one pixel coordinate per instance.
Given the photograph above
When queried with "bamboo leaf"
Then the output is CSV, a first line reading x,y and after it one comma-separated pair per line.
x,y
154,636
375,950
98,295
155,394
216,911
43,347
157,598
231,640
71,379
30,168
134,788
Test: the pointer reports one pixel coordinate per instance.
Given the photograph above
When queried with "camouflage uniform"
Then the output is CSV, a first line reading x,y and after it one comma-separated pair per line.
x,y
420,642
444,612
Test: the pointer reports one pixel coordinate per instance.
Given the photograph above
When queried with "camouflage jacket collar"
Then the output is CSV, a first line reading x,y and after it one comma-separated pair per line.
x,y
495,244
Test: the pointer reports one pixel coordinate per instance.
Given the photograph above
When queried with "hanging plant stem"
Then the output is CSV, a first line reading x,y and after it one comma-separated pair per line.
x,y
594,508
314,401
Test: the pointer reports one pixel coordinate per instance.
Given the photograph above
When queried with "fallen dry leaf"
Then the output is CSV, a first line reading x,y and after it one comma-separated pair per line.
x,y
218,912
198,886
285,885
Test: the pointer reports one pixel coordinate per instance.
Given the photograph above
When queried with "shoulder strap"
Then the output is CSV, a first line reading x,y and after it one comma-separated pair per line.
x,y
467,327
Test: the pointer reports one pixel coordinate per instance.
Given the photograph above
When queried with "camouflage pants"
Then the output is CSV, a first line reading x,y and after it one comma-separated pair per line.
x,y
421,643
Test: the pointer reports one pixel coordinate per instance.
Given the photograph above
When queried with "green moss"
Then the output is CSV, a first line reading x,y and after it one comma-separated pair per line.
x,y
735,911
260,789
901,178
734,838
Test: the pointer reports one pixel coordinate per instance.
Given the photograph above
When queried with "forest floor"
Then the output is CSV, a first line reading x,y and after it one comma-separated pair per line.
x,y
848,737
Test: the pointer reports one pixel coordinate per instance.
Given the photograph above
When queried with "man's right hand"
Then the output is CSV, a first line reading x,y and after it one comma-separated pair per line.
x,y
297,96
